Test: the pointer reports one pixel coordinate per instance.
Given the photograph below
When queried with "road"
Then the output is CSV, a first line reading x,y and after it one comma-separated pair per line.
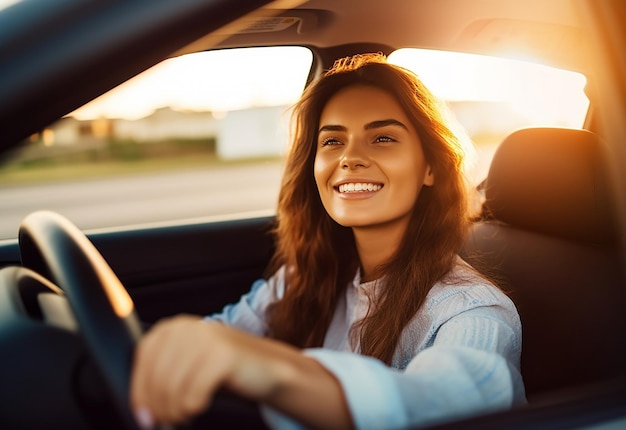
x,y
155,197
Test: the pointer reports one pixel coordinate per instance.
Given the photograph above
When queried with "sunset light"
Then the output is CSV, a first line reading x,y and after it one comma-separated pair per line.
x,y
218,81
538,92
223,81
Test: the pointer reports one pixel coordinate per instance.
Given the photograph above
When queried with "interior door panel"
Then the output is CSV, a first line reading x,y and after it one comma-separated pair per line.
x,y
192,268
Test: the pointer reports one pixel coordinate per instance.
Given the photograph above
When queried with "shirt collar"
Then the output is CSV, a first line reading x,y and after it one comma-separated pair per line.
x,y
356,282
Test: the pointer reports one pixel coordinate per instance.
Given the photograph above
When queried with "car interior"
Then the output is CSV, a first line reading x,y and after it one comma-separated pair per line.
x,y
551,232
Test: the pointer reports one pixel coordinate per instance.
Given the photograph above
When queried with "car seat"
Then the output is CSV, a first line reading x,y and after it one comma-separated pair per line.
x,y
548,235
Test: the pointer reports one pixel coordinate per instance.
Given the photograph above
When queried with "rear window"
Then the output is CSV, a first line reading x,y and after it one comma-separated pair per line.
x,y
492,97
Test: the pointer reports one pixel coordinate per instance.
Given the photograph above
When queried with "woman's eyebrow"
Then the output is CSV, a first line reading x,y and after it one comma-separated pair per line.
x,y
332,128
368,126
384,123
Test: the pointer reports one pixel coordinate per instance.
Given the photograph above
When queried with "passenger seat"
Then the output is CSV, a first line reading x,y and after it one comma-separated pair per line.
x,y
548,234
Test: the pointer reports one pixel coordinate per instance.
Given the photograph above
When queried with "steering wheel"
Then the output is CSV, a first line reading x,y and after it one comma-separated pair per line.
x,y
53,246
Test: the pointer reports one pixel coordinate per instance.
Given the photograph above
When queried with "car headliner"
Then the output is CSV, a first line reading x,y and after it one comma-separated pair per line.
x,y
493,27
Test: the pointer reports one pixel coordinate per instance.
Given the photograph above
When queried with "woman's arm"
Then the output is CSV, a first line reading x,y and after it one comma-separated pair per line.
x,y
248,314
182,361
472,367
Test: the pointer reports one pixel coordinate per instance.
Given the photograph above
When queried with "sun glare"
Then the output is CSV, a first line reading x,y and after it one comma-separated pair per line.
x,y
217,81
235,79
540,93
6,3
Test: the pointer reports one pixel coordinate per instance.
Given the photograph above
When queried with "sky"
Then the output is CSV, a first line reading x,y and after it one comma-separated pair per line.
x,y
218,81
536,90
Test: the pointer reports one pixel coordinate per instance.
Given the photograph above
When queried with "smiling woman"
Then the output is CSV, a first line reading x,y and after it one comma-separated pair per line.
x,y
358,280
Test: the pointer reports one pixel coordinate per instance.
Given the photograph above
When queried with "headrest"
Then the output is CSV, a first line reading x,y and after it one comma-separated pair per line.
x,y
552,181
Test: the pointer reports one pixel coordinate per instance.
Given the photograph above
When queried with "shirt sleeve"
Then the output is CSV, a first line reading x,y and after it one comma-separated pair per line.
x,y
470,369
248,314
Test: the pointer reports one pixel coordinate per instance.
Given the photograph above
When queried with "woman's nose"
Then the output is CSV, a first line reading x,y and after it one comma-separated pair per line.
x,y
354,157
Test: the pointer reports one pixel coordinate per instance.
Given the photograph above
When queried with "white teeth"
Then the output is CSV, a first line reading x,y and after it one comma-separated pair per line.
x,y
358,187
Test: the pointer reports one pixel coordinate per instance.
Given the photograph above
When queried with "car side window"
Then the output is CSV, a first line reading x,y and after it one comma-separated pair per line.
x,y
198,135
491,97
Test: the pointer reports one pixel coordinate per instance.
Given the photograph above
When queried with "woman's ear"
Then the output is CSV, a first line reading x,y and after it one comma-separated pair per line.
x,y
429,178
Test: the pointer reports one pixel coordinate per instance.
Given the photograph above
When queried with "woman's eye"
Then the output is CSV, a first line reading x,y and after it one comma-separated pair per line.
x,y
330,141
384,139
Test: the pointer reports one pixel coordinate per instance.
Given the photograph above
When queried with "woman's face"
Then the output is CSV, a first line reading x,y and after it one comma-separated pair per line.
x,y
369,164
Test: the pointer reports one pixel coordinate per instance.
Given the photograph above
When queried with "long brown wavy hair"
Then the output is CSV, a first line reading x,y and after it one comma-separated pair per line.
x,y
320,255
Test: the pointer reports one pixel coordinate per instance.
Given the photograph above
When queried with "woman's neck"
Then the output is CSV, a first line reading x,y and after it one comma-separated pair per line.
x,y
376,245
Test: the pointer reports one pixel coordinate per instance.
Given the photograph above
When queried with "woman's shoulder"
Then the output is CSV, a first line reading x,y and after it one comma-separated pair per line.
x,y
276,283
464,289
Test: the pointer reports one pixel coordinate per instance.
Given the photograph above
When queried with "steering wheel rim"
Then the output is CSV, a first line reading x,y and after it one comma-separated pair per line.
x,y
53,246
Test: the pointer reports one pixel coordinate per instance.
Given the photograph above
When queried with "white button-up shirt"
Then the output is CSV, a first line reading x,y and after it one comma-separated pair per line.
x,y
458,356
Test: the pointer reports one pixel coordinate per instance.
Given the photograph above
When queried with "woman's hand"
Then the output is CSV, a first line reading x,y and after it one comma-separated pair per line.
x,y
182,361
